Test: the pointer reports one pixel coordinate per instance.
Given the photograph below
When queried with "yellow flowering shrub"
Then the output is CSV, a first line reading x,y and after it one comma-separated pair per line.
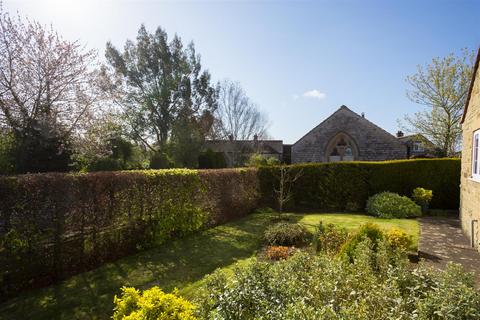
x,y
151,304
398,239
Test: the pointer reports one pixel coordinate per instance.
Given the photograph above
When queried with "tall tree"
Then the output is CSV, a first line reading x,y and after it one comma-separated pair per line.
x,y
237,116
160,85
442,87
45,91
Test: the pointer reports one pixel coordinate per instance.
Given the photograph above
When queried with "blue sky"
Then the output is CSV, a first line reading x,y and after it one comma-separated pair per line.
x,y
298,60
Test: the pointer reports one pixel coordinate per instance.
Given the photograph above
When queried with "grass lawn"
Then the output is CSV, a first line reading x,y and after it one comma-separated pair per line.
x,y
181,263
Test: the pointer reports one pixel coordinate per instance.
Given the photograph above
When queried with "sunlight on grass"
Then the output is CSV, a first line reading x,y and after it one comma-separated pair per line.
x,y
181,264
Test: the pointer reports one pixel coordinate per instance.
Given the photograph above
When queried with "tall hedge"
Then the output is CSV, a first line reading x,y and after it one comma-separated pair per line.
x,y
55,225
347,185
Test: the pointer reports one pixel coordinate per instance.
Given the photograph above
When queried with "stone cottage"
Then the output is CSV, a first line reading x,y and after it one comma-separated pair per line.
x,y
237,152
347,136
470,175
418,146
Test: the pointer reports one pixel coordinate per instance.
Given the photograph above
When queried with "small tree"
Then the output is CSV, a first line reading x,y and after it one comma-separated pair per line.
x,y
287,176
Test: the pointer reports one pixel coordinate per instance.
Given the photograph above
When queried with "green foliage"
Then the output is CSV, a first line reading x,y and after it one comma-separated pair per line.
x,y
257,160
321,287
286,234
369,231
152,304
211,160
336,186
329,238
74,222
398,239
7,156
392,205
160,160
422,196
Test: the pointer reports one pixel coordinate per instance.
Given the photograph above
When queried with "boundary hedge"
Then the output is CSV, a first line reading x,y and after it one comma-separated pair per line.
x,y
55,225
348,185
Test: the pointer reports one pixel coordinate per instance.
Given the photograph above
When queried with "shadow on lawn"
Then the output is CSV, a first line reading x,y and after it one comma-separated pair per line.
x,y
176,264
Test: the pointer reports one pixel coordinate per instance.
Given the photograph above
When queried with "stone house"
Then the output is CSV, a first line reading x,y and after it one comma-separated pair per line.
x,y
347,136
237,152
470,174
418,146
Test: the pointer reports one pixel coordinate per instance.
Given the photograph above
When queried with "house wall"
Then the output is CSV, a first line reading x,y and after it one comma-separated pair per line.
x,y
470,189
372,142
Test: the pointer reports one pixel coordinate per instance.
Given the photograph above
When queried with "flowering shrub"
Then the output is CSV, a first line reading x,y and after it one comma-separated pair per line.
x,y
422,196
392,205
329,238
151,304
312,287
286,234
278,252
398,239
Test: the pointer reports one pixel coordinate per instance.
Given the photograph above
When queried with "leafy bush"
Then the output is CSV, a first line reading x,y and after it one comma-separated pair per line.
x,y
321,287
329,238
422,196
211,160
369,231
152,304
286,234
398,239
347,185
75,222
278,252
258,160
392,205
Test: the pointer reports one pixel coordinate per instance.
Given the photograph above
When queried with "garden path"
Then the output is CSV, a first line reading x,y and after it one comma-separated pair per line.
x,y
442,241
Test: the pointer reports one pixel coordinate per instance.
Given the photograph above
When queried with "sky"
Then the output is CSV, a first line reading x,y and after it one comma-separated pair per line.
x,y
298,61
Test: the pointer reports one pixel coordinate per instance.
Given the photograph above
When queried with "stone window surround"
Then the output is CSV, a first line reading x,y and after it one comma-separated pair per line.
x,y
476,156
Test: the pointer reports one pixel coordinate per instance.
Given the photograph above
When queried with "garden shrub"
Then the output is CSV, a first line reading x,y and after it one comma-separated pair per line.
x,y
398,239
286,234
329,238
278,252
422,197
392,205
348,185
152,304
367,230
69,223
312,287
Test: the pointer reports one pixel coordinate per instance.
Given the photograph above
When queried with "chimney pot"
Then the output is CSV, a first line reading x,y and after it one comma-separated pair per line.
x,y
399,134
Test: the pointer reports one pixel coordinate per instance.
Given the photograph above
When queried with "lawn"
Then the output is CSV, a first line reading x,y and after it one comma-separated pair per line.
x,y
181,263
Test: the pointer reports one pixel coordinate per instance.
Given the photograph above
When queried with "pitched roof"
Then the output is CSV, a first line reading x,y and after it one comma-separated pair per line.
x,y
262,146
344,108
475,68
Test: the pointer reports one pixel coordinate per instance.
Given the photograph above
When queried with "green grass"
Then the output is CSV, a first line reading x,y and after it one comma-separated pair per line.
x,y
179,264
353,221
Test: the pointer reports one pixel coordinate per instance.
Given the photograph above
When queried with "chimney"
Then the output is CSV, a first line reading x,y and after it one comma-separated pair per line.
x,y
255,138
363,114
399,134
230,137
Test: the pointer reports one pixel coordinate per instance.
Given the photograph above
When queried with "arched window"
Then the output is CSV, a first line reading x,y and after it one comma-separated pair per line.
x,y
341,148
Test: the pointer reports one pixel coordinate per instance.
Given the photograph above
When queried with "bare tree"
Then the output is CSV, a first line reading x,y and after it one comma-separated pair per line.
x,y
45,81
286,178
237,116
442,87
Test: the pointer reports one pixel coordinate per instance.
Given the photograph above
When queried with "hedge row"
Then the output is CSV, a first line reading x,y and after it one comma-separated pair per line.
x,y
55,225
347,185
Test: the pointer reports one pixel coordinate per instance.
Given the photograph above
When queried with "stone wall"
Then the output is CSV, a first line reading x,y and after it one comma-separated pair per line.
x,y
470,189
372,142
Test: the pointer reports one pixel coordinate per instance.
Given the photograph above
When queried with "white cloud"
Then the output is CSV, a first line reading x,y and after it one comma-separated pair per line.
x,y
315,94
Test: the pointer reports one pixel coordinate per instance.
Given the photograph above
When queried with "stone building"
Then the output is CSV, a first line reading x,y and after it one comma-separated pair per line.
x,y
418,146
237,152
470,174
347,136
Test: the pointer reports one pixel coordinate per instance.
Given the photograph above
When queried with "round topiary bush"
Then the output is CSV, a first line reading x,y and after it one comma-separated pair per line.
x,y
392,205
286,234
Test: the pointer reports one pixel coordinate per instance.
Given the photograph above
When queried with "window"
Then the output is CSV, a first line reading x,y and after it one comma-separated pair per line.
x,y
417,146
476,156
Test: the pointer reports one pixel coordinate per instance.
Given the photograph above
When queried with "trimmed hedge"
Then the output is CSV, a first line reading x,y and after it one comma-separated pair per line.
x,y
348,185
55,225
